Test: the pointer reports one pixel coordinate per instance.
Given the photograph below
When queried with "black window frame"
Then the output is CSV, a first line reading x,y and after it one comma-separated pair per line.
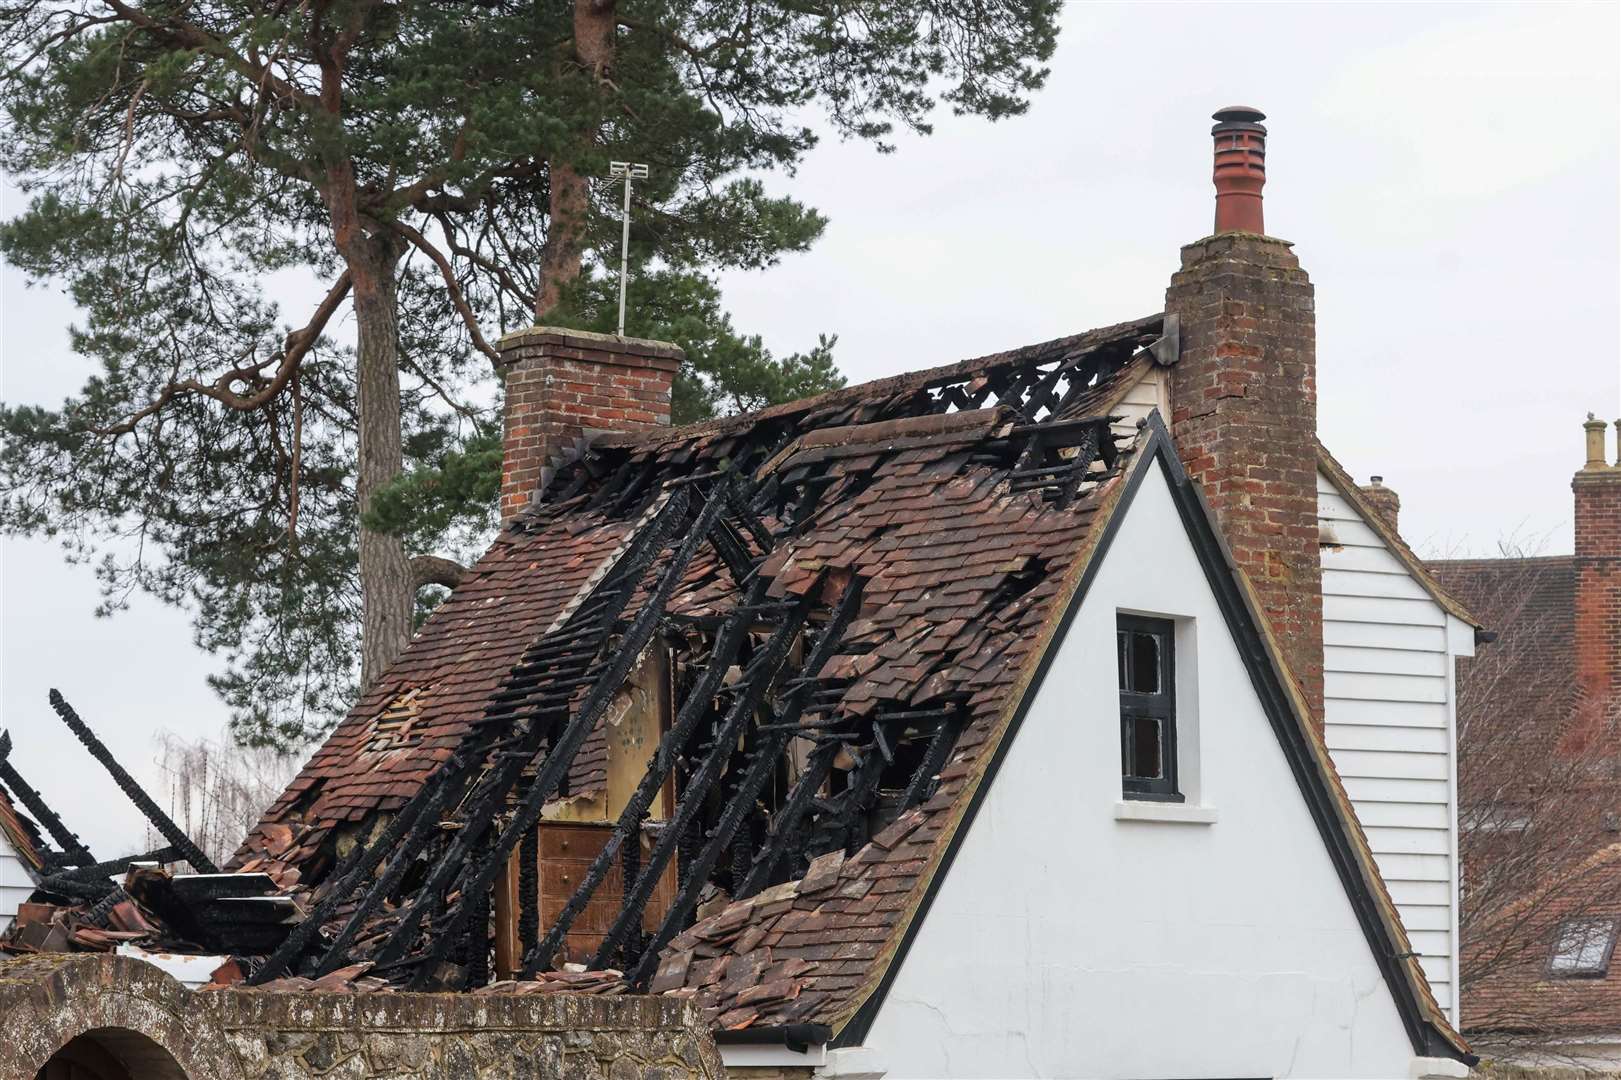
x,y
1160,706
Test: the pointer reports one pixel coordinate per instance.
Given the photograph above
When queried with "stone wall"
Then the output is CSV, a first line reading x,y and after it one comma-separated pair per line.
x,y
161,1031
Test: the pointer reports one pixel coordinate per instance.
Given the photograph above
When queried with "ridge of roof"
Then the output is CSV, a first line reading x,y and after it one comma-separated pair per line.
x,y
1486,562
906,382
1348,489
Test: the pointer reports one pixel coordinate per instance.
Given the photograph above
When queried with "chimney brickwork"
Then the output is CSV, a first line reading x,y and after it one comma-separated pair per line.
x,y
1385,502
1597,488
1243,398
562,385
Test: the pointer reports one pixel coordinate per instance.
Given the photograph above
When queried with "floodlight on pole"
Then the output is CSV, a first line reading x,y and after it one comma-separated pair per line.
x,y
626,171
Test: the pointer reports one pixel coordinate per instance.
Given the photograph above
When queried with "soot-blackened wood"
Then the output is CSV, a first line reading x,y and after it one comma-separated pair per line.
x,y
760,769
105,870
934,759
35,804
529,892
784,828
126,783
1083,465
560,755
672,743
750,691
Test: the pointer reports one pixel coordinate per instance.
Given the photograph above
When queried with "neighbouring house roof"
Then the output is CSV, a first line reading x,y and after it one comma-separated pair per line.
x,y
1530,605
923,539
1516,701
1517,992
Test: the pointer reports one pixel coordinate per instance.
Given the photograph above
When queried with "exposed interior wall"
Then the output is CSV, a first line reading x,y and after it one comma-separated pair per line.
x,y
1065,941
1390,710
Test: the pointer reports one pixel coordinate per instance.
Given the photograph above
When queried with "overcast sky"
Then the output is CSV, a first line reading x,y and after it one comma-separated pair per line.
x,y
1448,174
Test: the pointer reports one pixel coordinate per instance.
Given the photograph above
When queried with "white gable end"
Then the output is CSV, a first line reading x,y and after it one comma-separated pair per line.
x,y
1064,941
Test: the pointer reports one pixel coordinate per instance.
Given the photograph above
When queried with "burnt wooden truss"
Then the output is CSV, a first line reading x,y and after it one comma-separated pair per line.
x,y
750,695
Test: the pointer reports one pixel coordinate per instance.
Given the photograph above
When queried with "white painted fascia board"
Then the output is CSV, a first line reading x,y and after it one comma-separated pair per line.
x,y
1460,637
1434,1068
746,1055
854,1063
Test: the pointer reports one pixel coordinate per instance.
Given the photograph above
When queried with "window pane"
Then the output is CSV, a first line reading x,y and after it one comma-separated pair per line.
x,y
1121,638
1145,663
1144,759
1583,946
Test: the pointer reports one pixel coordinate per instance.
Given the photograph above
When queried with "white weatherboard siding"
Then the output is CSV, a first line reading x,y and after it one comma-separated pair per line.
x,y
1146,394
1065,942
1388,657
15,883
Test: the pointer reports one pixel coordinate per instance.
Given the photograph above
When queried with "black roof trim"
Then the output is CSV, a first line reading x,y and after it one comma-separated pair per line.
x,y
796,1037
1216,561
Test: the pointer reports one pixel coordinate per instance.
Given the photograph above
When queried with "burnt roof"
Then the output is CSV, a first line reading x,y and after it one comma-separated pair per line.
x,y
878,572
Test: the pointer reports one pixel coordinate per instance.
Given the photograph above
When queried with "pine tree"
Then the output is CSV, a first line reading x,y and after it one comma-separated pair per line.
x,y
436,166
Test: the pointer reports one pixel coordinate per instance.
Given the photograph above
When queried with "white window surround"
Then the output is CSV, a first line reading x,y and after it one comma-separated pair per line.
x,y
1192,810
1164,812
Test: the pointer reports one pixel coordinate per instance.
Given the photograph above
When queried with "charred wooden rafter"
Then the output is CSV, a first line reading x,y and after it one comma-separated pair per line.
x,y
72,847
762,762
749,693
674,741
136,794
471,878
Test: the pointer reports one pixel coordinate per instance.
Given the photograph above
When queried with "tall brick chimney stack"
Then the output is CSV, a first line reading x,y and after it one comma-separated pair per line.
x,y
562,385
1244,396
1597,487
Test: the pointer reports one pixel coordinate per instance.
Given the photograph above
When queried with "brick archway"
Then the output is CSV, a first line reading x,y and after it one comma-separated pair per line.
x,y
107,1018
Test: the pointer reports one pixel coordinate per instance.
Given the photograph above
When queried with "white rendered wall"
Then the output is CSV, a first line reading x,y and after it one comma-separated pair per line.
x,y
1388,657
15,883
1066,943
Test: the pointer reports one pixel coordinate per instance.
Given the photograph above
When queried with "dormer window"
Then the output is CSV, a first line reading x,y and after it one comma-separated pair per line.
x,y
1583,948
1146,653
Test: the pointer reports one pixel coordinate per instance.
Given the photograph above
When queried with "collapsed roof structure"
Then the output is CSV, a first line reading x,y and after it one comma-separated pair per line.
x,y
844,592
714,712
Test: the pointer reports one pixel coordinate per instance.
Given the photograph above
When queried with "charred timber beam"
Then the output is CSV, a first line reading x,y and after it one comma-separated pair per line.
x,y
105,870
126,783
65,838
785,824
474,878
727,643
751,690
934,759
760,768
364,859
1083,464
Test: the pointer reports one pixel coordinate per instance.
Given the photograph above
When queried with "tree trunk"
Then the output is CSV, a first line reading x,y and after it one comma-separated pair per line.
x,y
387,584
594,26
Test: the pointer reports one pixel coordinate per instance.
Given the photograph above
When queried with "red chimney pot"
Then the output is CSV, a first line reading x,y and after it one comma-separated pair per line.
x,y
1240,173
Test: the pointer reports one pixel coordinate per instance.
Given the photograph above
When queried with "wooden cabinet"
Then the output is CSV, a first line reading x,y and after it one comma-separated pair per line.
x,y
566,851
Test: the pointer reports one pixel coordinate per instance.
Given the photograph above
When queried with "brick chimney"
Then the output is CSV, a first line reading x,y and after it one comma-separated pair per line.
x,y
562,385
1597,487
1243,396
1385,502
